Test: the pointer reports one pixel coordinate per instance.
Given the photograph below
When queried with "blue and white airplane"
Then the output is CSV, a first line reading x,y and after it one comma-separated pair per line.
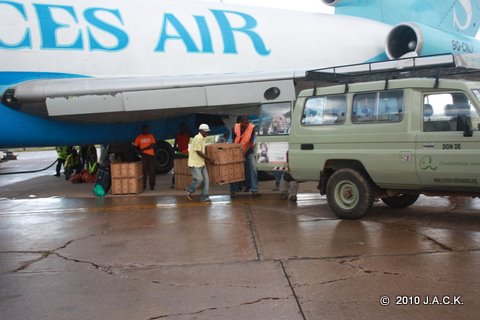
x,y
88,72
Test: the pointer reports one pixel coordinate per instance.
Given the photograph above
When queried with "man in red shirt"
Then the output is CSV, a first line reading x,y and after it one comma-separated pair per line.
x,y
145,143
182,140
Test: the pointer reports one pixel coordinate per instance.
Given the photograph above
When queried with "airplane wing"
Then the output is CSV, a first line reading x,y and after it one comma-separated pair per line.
x,y
122,99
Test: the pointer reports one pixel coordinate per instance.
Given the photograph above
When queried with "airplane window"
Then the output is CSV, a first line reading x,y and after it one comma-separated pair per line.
x,y
325,110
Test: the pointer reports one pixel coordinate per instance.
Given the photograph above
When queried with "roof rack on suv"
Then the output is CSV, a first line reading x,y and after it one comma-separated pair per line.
x,y
435,66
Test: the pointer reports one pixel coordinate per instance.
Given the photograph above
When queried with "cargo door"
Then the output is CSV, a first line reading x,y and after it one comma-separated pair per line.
x,y
448,145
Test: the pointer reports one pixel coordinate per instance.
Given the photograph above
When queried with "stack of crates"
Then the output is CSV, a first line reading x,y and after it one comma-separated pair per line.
x,y
127,178
229,164
182,174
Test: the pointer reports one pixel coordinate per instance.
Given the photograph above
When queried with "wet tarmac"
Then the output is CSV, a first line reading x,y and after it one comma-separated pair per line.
x,y
66,254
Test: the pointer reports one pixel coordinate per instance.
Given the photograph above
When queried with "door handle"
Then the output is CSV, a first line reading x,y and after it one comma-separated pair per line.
x,y
428,145
306,146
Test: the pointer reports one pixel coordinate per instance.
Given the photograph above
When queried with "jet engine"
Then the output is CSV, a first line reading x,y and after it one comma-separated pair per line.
x,y
334,3
407,39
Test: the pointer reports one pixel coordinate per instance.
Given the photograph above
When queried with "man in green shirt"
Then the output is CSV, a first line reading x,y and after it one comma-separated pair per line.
x,y
196,163
62,154
73,163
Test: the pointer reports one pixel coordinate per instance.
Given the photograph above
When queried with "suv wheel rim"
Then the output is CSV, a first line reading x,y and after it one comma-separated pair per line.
x,y
346,195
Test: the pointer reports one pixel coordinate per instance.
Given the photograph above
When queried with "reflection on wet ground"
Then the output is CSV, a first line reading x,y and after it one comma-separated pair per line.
x,y
65,254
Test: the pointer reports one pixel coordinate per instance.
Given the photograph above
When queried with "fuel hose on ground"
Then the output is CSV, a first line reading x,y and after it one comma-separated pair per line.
x,y
30,171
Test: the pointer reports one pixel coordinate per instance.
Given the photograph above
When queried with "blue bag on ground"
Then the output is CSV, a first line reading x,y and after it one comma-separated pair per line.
x,y
103,182
98,191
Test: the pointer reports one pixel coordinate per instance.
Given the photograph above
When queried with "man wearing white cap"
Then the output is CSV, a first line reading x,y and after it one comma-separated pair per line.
x,y
196,162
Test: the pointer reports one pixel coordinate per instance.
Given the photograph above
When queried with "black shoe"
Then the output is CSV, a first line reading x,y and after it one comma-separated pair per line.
x,y
57,174
152,188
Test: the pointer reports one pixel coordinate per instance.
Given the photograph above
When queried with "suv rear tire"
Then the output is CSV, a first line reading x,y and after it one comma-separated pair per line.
x,y
401,200
349,193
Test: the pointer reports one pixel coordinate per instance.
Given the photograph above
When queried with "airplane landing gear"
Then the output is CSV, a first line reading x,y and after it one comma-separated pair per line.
x,y
163,157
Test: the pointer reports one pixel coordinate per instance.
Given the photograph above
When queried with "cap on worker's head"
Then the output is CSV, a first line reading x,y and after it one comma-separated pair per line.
x,y
204,127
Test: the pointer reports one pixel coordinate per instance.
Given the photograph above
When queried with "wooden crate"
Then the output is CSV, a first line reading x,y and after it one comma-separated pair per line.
x,y
182,174
224,153
126,169
226,173
182,181
228,168
229,164
127,185
180,166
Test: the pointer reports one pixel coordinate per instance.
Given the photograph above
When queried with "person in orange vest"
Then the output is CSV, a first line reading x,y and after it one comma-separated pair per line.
x,y
244,133
145,143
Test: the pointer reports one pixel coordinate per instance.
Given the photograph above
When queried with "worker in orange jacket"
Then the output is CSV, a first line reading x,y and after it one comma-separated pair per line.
x,y
244,133
145,144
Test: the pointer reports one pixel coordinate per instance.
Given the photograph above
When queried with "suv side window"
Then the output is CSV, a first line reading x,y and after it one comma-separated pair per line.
x,y
325,110
448,112
382,106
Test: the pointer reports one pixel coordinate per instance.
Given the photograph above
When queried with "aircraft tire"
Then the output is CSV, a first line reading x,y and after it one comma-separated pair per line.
x,y
163,157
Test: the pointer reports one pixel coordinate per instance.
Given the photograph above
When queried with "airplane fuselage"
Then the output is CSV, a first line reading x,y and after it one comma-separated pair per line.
x,y
119,38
